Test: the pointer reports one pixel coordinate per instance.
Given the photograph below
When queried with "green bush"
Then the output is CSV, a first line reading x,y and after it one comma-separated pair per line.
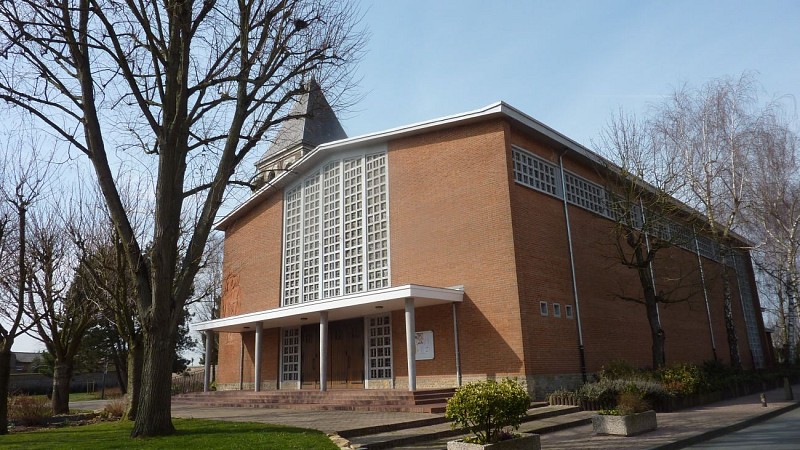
x,y
684,379
622,370
484,408
607,391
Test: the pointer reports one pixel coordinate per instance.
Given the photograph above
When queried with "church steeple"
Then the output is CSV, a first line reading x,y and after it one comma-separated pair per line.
x,y
315,123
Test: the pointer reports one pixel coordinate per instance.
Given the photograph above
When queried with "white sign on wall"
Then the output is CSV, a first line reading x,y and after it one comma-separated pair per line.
x,y
424,341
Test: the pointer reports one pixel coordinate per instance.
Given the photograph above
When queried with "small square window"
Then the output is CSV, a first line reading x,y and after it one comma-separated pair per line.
x,y
568,311
556,310
543,308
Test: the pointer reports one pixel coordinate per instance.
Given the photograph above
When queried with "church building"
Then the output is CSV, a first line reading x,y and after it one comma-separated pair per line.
x,y
470,247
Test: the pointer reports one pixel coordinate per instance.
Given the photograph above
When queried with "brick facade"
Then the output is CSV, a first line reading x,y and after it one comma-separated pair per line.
x,y
458,218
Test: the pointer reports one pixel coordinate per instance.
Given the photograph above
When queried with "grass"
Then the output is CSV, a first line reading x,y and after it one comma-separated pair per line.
x,y
82,396
191,434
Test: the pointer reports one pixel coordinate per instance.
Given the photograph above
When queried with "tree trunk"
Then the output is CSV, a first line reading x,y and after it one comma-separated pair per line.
x,y
135,360
62,374
651,305
730,326
5,378
154,412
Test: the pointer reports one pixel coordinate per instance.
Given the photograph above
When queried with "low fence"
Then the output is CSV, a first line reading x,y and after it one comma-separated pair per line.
x,y
191,381
677,402
36,383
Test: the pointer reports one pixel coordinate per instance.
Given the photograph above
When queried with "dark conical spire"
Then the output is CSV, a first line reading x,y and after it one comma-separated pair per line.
x,y
316,124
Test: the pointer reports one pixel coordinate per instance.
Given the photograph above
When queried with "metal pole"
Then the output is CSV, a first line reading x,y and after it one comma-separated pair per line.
x,y
411,347
206,371
581,352
457,347
323,350
259,336
705,293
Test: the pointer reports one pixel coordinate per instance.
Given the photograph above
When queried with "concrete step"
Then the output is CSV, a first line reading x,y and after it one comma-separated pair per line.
x,y
436,428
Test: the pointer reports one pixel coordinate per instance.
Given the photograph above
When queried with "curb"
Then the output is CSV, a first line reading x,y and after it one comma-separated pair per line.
x,y
715,433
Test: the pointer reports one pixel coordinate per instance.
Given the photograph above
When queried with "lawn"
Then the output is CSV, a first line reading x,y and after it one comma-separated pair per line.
x,y
192,434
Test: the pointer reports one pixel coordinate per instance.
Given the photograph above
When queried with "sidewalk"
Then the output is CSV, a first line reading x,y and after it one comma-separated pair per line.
x,y
682,428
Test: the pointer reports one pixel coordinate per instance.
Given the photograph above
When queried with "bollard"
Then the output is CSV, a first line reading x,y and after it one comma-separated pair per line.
x,y
763,400
787,389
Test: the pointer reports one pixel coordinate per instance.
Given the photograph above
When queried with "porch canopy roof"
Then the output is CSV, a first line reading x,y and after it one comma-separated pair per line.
x,y
338,308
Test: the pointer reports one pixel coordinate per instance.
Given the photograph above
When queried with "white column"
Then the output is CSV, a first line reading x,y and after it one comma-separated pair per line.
x,y
259,336
323,351
207,366
411,347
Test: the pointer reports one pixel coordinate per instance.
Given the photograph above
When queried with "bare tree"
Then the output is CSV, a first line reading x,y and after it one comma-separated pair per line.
x,y
773,219
713,132
22,181
640,183
194,86
59,302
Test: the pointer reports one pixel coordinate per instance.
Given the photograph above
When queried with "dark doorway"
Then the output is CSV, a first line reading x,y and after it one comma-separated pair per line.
x,y
309,354
345,355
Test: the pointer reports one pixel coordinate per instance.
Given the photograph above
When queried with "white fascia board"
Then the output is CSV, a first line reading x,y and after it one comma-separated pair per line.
x,y
427,295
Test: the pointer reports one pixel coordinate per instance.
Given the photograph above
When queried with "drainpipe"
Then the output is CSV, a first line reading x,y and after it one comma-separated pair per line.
x,y
705,293
581,351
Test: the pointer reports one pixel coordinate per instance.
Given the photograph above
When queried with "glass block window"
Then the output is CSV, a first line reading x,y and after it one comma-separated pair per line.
x,y
379,330
587,195
353,226
748,308
681,235
331,231
290,354
311,237
535,172
292,239
377,222
336,230
708,248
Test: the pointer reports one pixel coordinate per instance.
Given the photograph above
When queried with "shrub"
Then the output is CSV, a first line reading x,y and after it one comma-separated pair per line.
x,y
484,408
684,379
29,411
621,370
114,409
607,391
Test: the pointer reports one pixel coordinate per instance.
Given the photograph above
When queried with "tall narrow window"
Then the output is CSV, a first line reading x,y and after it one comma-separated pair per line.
x,y
292,239
311,239
380,347
290,359
377,222
353,226
331,231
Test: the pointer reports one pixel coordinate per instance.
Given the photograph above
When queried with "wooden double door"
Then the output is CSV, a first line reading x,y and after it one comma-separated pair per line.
x,y
345,355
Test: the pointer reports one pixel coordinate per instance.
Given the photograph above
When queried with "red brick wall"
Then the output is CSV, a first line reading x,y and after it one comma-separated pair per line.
x,y
612,328
252,274
450,225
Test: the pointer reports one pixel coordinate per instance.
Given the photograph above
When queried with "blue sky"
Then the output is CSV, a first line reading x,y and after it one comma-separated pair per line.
x,y
569,64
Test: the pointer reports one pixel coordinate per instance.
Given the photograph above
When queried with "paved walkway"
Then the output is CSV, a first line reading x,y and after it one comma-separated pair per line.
x,y
675,430
683,428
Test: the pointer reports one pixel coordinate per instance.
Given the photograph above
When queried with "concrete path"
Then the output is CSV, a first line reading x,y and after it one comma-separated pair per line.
x,y
779,433
675,430
683,428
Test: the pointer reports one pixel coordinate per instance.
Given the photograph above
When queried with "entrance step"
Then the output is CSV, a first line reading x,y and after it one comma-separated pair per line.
x,y
425,401
542,419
